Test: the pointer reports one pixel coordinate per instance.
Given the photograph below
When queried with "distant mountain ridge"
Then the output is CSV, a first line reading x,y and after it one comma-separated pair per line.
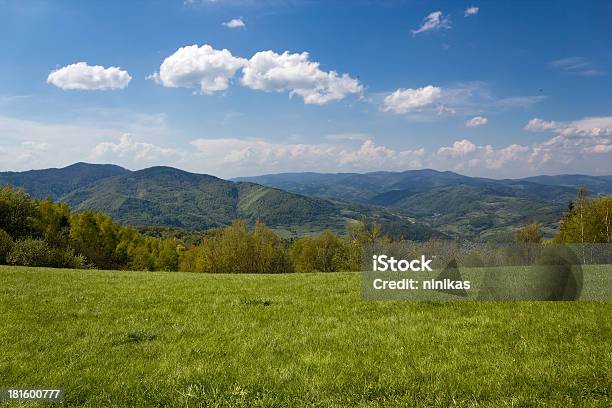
x,y
165,196
415,204
461,206
365,186
55,183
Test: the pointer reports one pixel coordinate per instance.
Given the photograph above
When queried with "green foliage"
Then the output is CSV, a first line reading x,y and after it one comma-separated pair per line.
x,y
529,234
95,236
6,244
236,250
31,252
18,213
324,253
37,252
48,234
587,221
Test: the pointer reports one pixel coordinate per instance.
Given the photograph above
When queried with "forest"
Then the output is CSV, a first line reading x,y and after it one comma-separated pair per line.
x,y
45,233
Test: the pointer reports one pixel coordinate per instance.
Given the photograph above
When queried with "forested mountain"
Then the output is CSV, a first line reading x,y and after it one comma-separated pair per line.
x,y
375,187
594,184
417,204
55,183
461,206
164,196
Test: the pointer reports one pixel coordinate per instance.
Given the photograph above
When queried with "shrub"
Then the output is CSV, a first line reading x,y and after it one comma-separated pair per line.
x,y
6,244
30,252
324,253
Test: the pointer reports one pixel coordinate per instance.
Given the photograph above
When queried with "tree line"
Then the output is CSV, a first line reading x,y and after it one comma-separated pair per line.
x,y
44,233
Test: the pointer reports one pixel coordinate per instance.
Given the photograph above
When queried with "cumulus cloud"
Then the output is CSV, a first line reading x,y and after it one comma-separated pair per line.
x,y
586,127
141,151
409,100
572,140
254,156
298,75
433,22
539,125
471,11
463,99
234,23
579,146
459,148
203,67
476,121
82,76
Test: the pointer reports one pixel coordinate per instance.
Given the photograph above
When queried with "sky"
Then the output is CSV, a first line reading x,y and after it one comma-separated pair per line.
x,y
248,87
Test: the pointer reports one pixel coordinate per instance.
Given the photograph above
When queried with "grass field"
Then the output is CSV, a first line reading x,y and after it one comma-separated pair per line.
x,y
134,339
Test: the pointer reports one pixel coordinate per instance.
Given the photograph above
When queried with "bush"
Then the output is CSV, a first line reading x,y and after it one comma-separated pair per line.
x,y
6,244
30,252
236,250
324,253
36,252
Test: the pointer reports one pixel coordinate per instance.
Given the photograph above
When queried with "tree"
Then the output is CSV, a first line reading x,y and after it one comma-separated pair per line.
x,y
6,244
325,253
30,252
529,234
588,221
18,213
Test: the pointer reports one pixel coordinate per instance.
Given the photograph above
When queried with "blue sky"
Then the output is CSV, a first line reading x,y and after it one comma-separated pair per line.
x,y
496,89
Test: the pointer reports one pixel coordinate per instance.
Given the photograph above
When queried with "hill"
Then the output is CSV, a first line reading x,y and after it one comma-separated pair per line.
x,y
168,197
55,183
461,206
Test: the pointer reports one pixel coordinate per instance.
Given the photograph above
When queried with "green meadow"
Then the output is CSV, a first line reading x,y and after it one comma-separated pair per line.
x,y
159,339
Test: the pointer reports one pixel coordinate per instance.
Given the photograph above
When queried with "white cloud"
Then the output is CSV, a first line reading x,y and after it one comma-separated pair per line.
x,y
255,156
82,76
539,125
586,127
459,148
203,67
296,74
579,146
431,102
584,140
234,23
471,11
577,66
409,100
434,21
476,121
141,151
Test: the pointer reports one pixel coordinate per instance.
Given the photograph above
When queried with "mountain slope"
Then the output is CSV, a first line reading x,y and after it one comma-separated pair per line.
x,y
385,187
55,183
164,196
360,187
490,212
468,207
593,184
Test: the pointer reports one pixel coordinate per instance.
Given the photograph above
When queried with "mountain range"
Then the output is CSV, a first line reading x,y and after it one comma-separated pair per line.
x,y
457,205
415,204
165,196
